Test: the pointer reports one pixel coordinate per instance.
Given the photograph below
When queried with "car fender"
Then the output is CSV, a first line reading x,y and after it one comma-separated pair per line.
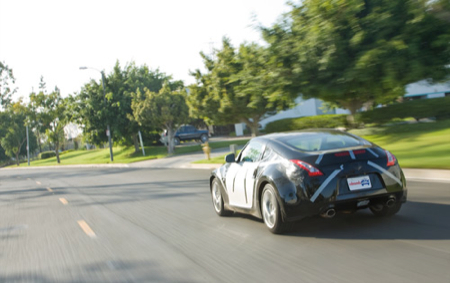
x,y
275,174
220,174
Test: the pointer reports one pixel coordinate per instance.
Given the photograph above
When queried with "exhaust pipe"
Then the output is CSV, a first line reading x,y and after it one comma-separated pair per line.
x,y
330,213
390,202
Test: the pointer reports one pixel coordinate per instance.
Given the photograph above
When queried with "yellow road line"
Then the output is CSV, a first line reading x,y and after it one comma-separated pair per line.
x,y
86,228
50,190
63,200
37,182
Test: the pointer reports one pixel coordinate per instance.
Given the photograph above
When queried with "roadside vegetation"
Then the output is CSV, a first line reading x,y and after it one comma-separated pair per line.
x,y
416,145
392,44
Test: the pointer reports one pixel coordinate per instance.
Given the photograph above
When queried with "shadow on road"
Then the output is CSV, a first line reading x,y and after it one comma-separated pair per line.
x,y
416,221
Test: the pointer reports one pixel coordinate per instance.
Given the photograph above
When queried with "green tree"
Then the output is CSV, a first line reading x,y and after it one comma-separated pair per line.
x,y
35,108
165,109
357,51
6,85
52,114
14,121
239,86
94,115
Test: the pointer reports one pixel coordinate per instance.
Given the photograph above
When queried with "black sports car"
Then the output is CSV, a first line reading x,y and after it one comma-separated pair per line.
x,y
285,177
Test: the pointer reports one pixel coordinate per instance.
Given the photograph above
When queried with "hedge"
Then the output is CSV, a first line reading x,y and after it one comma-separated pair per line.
x,y
47,154
438,108
321,121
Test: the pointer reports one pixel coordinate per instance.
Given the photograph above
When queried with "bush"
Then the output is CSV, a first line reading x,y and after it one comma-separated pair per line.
x,y
438,108
47,154
321,121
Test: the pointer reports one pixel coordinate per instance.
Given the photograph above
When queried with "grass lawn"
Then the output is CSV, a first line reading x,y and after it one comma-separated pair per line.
x,y
423,145
122,154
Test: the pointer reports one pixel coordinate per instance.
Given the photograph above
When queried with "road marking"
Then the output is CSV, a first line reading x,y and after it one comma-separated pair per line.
x,y
63,200
50,190
37,182
86,228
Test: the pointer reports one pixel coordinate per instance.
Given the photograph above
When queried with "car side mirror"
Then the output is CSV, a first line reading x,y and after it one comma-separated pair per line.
x,y
230,158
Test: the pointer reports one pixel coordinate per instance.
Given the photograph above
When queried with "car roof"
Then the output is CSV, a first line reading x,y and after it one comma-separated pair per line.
x,y
279,136
276,140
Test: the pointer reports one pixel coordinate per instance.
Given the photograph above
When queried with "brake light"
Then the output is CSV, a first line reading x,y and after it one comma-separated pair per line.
x,y
390,158
312,171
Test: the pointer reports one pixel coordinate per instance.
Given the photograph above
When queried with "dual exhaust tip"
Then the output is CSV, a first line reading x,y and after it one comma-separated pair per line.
x,y
331,212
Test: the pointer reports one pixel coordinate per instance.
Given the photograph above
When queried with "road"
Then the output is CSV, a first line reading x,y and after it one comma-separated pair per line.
x,y
158,225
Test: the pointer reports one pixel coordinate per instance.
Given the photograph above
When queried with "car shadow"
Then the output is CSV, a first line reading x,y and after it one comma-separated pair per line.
x,y
415,221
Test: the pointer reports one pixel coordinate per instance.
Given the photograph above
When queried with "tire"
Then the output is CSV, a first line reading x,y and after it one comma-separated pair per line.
x,y
177,141
203,138
270,211
382,210
217,199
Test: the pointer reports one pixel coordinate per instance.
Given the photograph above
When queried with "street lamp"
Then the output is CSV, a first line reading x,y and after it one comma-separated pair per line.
x,y
104,99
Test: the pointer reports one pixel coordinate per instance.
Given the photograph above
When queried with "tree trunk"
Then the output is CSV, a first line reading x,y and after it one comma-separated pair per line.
x,y
57,152
17,157
136,143
170,140
352,106
253,125
18,151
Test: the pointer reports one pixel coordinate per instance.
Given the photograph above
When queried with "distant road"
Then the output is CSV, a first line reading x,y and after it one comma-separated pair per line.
x,y
158,225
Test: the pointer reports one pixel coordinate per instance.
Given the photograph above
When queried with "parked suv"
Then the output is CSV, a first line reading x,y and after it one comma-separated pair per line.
x,y
185,133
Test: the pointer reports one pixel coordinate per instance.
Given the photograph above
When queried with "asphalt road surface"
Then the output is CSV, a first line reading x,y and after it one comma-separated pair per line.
x,y
158,225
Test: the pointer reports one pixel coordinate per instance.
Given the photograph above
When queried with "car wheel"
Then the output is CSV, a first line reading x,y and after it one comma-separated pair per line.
x,y
270,211
177,141
217,199
204,138
382,210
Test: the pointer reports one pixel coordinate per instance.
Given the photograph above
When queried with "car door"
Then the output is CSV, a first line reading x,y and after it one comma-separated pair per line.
x,y
181,133
240,178
191,132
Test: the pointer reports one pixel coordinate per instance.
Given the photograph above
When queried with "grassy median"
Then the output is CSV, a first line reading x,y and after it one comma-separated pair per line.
x,y
123,154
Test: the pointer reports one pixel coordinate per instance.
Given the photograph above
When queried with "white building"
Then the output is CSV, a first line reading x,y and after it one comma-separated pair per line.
x,y
313,106
423,89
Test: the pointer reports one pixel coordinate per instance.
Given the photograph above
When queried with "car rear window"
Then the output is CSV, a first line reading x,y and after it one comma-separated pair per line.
x,y
323,141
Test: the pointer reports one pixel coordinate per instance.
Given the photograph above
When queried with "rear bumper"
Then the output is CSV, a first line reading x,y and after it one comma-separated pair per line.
x,y
345,203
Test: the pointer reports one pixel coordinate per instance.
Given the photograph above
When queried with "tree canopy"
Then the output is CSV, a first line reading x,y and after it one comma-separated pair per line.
x,y
238,86
166,109
94,112
13,133
51,115
6,85
350,52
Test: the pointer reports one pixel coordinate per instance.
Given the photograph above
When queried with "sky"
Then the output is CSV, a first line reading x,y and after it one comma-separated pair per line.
x,y
53,38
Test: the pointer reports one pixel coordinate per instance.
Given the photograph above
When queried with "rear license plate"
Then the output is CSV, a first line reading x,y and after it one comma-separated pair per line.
x,y
359,183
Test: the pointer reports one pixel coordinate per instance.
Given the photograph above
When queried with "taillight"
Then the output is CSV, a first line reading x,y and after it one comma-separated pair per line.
x,y
312,171
390,158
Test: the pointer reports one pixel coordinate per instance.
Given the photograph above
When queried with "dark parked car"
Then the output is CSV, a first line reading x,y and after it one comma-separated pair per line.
x,y
185,133
283,178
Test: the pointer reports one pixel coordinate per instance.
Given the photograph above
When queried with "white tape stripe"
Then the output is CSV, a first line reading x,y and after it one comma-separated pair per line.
x,y
324,184
376,166
319,159
352,155
373,152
